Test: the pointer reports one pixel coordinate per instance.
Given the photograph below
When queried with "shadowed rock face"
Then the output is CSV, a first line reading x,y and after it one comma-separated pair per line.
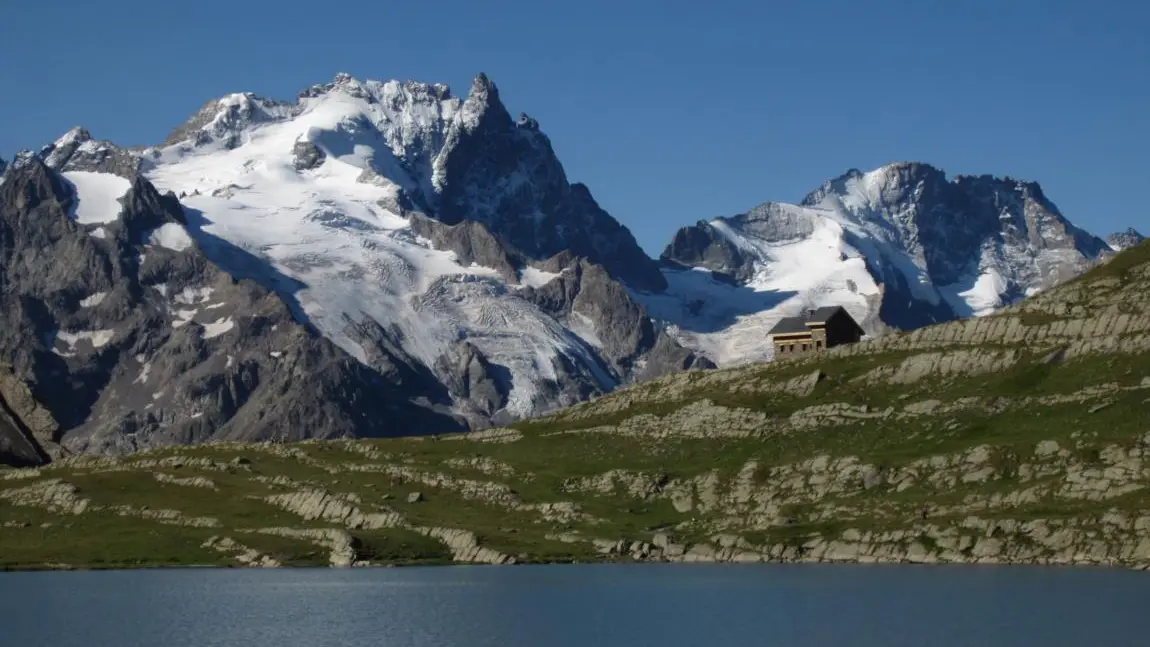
x,y
702,245
504,174
125,343
471,242
27,430
473,378
625,334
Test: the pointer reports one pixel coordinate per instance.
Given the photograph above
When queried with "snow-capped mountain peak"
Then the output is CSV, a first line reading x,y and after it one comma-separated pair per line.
x,y
901,245
433,239
402,221
77,151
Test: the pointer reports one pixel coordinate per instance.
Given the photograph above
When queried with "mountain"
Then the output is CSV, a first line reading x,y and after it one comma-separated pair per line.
x,y
1124,239
421,263
899,247
424,150
118,334
369,259
1020,437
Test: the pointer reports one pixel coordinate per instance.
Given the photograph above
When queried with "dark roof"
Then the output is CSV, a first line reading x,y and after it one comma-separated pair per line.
x,y
821,315
791,325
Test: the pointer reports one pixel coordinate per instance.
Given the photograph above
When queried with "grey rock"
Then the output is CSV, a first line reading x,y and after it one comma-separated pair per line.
x,y
472,377
1098,407
622,326
313,504
221,120
476,165
471,242
18,448
703,246
539,218
1046,448
21,158
682,501
668,356
1124,239
307,155
28,432
78,151
953,218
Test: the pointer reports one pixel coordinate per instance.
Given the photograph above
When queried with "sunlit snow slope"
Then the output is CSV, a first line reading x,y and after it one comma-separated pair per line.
x,y
96,196
331,224
899,246
728,321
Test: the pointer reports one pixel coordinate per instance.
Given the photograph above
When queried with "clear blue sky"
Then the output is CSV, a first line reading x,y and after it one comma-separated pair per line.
x,y
670,111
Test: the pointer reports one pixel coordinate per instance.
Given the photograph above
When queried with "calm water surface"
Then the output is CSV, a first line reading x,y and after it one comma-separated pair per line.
x,y
603,606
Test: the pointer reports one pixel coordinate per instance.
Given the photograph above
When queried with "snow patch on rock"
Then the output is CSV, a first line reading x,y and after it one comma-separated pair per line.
x,y
218,327
98,339
93,300
97,196
171,236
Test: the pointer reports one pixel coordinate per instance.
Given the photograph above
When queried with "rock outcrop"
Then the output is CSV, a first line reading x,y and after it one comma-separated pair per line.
x,y
1121,240
77,151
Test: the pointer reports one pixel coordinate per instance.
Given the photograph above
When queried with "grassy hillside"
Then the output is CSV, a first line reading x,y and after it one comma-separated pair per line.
x,y
1022,437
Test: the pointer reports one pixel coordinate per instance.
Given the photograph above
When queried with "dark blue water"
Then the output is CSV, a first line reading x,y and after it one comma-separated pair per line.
x,y
603,606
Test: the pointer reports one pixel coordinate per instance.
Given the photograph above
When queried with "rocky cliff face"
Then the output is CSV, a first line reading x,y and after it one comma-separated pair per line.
x,y
503,173
77,151
1124,239
901,246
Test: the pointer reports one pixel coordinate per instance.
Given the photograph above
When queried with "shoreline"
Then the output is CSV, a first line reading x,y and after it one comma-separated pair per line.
x,y
438,564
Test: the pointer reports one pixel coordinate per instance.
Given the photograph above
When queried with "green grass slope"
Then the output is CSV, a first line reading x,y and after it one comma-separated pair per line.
x,y
1023,437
